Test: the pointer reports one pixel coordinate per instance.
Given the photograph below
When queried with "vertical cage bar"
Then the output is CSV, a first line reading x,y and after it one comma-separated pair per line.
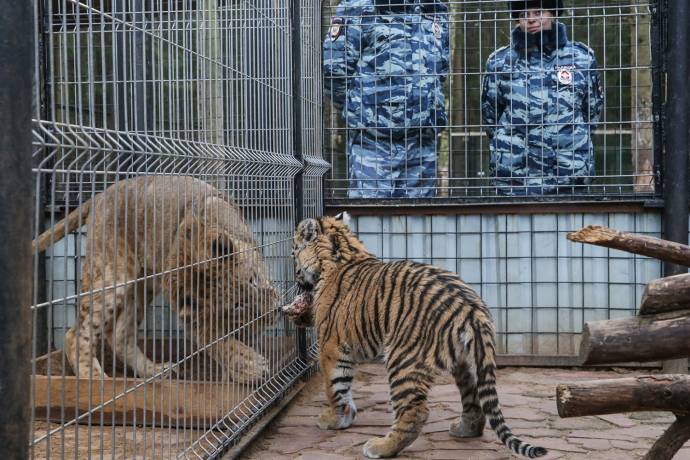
x,y
296,57
677,138
16,78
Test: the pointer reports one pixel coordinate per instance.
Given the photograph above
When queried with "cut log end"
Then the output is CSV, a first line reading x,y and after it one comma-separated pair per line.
x,y
592,234
563,395
585,345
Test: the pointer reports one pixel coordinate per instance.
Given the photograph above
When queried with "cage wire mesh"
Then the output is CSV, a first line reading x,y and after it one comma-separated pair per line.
x,y
164,136
402,125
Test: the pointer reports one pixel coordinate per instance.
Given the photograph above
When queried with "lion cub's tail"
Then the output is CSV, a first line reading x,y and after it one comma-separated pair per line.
x,y
74,220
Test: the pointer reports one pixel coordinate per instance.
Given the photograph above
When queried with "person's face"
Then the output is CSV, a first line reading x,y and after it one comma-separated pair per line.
x,y
534,20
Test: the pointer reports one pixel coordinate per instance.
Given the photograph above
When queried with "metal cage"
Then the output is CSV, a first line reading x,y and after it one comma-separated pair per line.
x,y
184,137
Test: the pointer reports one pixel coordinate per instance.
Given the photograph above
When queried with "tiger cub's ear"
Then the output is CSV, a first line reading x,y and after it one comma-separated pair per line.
x,y
308,230
344,217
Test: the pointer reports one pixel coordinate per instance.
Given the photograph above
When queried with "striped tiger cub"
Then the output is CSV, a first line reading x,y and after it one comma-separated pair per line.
x,y
421,318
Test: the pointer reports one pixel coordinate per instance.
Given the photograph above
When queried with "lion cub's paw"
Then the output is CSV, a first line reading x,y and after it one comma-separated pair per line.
x,y
254,368
164,369
151,369
338,419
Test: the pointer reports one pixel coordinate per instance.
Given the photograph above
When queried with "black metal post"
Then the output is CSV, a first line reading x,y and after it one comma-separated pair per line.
x,y
16,77
296,54
677,137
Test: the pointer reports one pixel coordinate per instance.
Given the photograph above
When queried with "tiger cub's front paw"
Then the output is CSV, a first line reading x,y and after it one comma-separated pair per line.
x,y
381,447
337,419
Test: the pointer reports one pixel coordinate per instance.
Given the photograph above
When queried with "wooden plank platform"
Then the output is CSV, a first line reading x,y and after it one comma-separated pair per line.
x,y
195,397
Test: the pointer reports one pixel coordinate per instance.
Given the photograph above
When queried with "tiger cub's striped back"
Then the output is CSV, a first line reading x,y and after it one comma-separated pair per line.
x,y
422,318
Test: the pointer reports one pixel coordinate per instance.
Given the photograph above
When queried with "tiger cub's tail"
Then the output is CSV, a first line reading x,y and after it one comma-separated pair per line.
x,y
488,398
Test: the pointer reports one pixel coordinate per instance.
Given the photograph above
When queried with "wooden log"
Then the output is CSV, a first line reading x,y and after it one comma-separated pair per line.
x,y
666,447
666,294
645,338
632,394
631,242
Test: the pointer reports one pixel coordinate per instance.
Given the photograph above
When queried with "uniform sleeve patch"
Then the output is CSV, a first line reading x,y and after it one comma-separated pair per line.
x,y
436,27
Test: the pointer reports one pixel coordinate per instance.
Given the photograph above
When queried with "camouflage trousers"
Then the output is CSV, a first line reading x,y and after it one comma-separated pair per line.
x,y
535,173
383,167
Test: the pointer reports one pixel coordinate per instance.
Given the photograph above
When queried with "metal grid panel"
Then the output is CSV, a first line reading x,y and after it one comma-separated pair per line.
x,y
312,110
624,37
181,111
541,288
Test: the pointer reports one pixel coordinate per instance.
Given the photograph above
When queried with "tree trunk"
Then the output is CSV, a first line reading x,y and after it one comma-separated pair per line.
x,y
666,294
631,242
636,394
648,338
671,441
643,152
455,89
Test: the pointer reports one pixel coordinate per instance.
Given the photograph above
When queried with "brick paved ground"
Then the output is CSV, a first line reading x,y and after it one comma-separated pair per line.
x,y
528,399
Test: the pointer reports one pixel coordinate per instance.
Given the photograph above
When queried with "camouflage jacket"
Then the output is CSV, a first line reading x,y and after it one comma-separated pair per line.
x,y
541,97
384,68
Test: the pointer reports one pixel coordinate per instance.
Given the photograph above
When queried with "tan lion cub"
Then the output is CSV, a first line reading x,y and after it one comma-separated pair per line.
x,y
177,236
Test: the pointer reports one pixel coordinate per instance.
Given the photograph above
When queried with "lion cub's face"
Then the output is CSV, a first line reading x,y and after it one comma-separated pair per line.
x,y
227,275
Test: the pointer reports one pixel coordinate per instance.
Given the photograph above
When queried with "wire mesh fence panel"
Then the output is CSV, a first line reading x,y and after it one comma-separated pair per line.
x,y
487,100
165,196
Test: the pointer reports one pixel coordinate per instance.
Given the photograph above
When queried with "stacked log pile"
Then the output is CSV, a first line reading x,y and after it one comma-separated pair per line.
x,y
661,331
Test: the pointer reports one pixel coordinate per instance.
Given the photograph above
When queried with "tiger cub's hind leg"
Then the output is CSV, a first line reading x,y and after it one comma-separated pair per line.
x,y
409,390
337,369
471,423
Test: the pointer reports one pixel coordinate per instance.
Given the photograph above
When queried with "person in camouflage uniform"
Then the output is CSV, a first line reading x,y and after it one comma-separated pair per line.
x,y
541,97
385,63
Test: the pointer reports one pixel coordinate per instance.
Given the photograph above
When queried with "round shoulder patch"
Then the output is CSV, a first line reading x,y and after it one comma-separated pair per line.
x,y
565,76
